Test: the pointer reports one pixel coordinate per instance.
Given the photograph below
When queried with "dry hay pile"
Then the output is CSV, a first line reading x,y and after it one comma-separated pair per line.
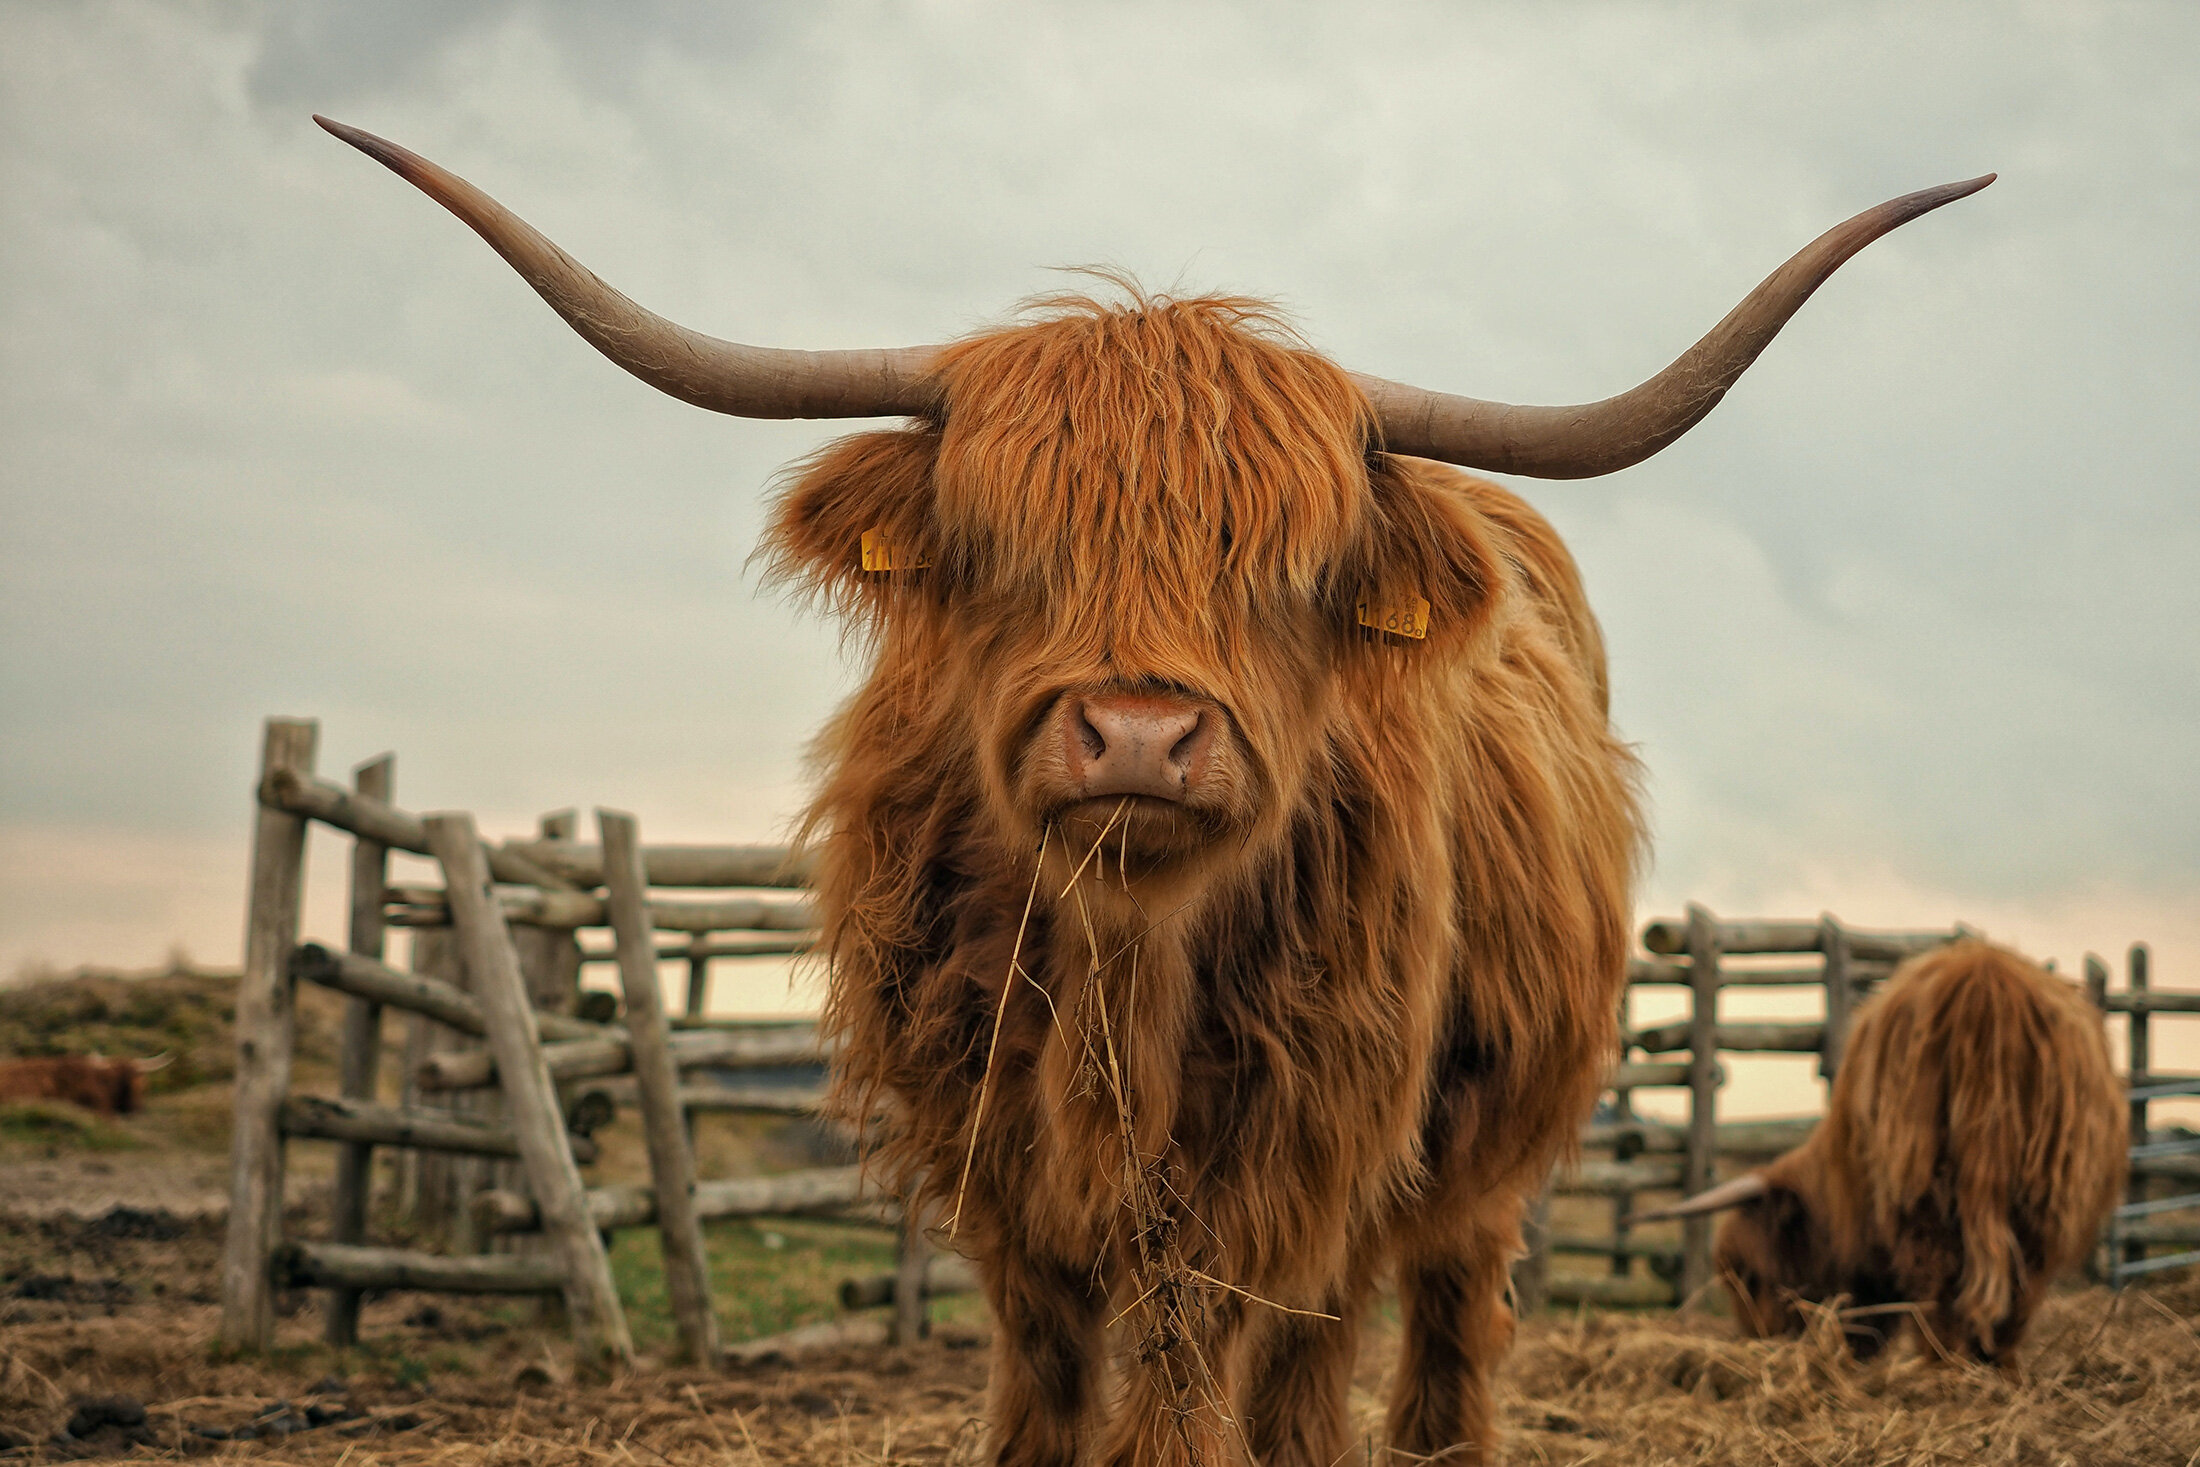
x,y
2107,1381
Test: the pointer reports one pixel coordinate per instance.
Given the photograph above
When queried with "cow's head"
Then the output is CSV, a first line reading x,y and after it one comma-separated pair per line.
x,y
1148,529
1133,544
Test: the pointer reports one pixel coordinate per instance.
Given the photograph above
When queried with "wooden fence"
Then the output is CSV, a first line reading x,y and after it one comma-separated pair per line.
x,y
1626,1154
706,903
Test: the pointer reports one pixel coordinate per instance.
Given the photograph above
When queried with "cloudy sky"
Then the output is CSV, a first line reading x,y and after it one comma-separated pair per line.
x,y
1905,630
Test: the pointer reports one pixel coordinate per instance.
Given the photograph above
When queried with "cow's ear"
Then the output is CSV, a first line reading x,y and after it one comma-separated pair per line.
x,y
855,521
1425,561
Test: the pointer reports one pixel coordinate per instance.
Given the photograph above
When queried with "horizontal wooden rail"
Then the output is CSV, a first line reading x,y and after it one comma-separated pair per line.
x,y
371,819
1643,1076
760,946
944,1274
326,1118
1669,935
828,1190
1611,1292
1737,1038
304,1265
1736,1138
378,982
1617,1176
2154,1001
565,910
1610,1246
768,866
1652,972
752,1099
585,1059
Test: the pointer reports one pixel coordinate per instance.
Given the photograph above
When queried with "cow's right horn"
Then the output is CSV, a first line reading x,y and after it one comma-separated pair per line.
x,y
158,1062
1716,1199
1594,438
724,376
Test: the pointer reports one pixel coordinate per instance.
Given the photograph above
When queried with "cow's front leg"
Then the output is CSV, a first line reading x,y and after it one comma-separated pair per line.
x,y
1046,1337
1457,1327
1180,1381
1299,1378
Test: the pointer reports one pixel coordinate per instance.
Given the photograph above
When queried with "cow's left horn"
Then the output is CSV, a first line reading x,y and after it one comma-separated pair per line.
x,y
1603,437
157,1062
724,376
1715,1199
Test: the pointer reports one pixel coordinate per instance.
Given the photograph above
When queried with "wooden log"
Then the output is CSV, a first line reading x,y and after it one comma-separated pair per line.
x,y
265,1026
418,993
752,1099
360,1048
1735,1138
1639,1175
599,1324
1642,1076
1833,941
1613,1293
1862,975
690,866
1667,937
300,793
567,909
585,1059
911,1282
2143,1001
697,998
550,957
944,1274
326,1118
811,1339
1734,1038
719,945
824,1192
1624,1247
2141,1051
1705,946
657,1077
303,1265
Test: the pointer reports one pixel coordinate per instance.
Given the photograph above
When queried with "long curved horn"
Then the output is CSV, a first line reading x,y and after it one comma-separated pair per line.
x,y
159,1061
1715,1199
724,376
1603,437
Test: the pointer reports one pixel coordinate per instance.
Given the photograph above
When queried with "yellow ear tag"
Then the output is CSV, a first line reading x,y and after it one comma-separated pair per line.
x,y
879,555
1407,617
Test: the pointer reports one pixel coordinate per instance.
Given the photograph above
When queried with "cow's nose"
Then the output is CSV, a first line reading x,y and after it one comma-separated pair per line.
x,y
1135,744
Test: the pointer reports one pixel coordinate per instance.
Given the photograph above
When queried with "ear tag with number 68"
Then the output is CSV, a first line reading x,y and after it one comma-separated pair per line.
x,y
1405,617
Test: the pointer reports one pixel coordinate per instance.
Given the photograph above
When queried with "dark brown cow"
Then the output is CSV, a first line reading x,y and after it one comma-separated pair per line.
x,y
1973,1145
1226,865
112,1087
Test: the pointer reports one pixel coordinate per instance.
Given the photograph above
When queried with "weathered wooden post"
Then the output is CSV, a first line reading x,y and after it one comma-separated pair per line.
x,y
360,1059
2142,1064
912,1257
550,957
698,989
1701,1168
265,1030
1833,941
657,1079
2096,982
599,1324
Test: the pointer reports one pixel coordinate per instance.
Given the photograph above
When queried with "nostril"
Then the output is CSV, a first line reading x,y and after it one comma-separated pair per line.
x,y
1186,749
1089,738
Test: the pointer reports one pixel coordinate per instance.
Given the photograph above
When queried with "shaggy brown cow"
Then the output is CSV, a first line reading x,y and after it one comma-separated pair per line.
x,y
111,1087
1226,864
1973,1145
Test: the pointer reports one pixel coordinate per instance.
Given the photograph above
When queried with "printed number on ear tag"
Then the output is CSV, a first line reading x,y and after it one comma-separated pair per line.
x,y
1407,617
880,554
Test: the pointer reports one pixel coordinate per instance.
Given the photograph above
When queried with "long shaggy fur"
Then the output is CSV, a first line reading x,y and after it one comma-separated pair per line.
x,y
1972,1147
1359,1005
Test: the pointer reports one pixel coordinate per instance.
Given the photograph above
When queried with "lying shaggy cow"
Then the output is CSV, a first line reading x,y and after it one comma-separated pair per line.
x,y
1973,1145
110,1087
1226,865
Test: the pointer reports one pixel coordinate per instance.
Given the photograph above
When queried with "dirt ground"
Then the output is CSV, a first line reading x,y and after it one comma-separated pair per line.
x,y
110,1240
100,1316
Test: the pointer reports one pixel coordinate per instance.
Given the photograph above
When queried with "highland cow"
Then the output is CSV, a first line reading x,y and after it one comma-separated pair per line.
x,y
1972,1147
108,1087
1225,866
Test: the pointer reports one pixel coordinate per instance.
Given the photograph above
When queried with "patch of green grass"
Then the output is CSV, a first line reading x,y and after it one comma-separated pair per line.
x,y
54,1124
766,1276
